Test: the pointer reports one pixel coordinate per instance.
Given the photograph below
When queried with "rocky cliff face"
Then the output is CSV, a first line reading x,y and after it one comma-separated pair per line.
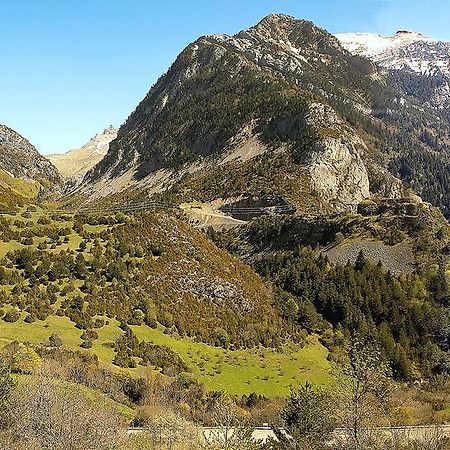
x,y
338,173
21,159
281,108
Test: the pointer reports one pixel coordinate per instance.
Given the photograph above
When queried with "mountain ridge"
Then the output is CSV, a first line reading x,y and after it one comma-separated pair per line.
x,y
24,173
206,50
404,50
419,64
76,162
298,99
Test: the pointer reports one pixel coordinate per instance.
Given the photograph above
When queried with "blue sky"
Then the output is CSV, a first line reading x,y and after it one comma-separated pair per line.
x,y
70,68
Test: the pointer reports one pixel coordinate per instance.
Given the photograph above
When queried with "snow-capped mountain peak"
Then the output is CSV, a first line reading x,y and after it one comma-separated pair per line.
x,y
372,44
404,50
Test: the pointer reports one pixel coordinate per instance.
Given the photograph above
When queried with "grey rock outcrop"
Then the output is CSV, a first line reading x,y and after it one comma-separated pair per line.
x,y
338,173
20,158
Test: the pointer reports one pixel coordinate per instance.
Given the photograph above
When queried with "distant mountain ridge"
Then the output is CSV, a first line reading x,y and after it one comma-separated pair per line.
x,y
75,163
421,65
404,50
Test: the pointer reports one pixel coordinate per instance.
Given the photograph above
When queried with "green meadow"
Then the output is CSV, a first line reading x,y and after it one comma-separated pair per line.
x,y
267,372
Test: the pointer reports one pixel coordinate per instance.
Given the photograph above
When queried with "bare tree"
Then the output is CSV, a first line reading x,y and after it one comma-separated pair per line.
x,y
427,438
51,414
166,430
228,432
365,390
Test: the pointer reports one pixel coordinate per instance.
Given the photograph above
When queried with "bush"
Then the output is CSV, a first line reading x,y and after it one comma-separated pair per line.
x,y
98,323
30,318
54,341
42,246
89,335
86,344
12,316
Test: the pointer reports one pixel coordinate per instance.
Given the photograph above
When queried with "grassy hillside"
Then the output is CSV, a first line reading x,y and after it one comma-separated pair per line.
x,y
263,371
16,192
148,290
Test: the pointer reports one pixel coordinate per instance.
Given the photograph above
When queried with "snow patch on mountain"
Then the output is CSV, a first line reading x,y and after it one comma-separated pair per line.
x,y
405,50
372,44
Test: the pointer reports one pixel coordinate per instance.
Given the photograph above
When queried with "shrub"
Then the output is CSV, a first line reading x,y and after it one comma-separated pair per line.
x,y
86,344
89,335
12,316
54,340
30,318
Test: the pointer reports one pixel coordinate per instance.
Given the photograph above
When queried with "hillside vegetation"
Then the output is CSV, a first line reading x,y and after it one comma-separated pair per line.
x,y
148,290
16,192
321,297
405,310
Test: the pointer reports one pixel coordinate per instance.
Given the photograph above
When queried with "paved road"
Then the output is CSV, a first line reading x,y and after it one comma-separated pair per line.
x,y
262,434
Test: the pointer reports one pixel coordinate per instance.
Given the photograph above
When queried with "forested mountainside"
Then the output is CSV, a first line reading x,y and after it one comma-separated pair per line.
x,y
278,108
154,263
381,274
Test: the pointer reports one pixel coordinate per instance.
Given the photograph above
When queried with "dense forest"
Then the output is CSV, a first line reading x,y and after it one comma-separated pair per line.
x,y
408,316
406,313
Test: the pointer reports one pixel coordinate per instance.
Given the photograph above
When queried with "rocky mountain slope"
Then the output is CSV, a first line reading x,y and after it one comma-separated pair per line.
x,y
421,63
75,163
20,158
23,171
405,50
280,108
